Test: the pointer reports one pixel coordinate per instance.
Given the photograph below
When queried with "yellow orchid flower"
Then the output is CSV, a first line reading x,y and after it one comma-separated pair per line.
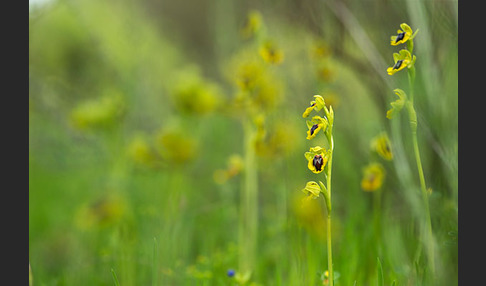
x,y
402,36
316,105
315,125
402,59
405,34
317,157
312,190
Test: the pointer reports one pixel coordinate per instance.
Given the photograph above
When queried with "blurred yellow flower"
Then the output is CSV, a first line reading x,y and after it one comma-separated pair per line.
x,y
268,93
382,145
317,159
319,49
259,122
100,112
270,53
195,95
259,89
253,24
278,140
248,74
103,212
140,151
176,146
316,105
233,168
326,73
373,177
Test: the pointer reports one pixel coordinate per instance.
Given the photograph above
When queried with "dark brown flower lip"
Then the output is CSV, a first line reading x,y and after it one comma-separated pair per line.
x,y
314,127
397,64
317,162
400,37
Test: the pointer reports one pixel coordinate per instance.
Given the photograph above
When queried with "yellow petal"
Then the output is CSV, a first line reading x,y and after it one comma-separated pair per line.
x,y
307,111
406,28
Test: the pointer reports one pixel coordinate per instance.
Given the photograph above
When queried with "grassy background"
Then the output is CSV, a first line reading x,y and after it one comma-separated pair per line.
x,y
110,189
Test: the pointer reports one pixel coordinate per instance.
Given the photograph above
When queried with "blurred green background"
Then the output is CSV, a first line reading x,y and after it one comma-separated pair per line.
x,y
136,140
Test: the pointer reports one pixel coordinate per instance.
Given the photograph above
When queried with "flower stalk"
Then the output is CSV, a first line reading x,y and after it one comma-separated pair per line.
x,y
320,160
407,35
413,126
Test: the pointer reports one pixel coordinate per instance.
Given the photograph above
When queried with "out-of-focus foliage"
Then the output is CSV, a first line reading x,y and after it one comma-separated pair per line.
x,y
135,111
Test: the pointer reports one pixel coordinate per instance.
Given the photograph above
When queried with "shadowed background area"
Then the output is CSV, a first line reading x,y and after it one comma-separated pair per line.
x,y
137,140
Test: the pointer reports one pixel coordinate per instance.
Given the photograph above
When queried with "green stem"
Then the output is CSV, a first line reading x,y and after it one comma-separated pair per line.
x,y
425,198
329,208
329,250
413,125
249,204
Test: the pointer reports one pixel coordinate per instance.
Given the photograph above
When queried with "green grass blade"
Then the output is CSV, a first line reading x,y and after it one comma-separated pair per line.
x,y
154,264
114,277
380,273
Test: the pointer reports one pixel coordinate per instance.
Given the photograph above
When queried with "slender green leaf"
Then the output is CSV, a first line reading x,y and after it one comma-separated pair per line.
x,y
380,273
115,280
